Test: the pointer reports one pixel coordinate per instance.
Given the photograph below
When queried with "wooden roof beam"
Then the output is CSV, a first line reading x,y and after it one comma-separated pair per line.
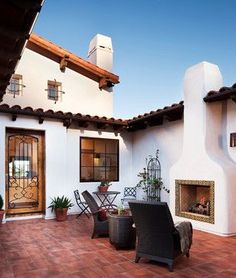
x,y
13,117
174,116
64,63
101,125
41,120
105,83
83,124
155,122
67,122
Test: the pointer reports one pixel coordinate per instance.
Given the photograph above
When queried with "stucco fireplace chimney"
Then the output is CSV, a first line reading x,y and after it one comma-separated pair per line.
x,y
205,158
101,52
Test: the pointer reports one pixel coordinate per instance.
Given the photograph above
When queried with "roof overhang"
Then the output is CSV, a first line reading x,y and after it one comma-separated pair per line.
x,y
16,21
224,93
154,118
67,59
68,119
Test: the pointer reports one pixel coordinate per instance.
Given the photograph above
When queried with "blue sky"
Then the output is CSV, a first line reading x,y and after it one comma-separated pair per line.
x,y
154,42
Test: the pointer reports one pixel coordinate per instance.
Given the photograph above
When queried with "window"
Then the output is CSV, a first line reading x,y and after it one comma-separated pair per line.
x,y
53,89
99,159
232,139
15,87
19,167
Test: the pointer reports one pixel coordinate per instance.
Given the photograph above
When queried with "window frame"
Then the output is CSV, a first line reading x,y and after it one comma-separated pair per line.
x,y
57,86
94,153
18,85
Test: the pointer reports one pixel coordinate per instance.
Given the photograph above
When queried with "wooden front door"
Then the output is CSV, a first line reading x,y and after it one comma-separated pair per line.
x,y
24,171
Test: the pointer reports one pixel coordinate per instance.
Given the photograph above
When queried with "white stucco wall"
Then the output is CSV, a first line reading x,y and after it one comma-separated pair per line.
x,y
62,158
168,139
82,94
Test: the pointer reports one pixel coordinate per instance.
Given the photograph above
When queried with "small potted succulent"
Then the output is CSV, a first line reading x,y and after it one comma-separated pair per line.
x,y
61,206
2,211
104,185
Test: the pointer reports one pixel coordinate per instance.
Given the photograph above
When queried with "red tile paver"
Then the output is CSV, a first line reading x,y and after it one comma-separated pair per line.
x,y
46,248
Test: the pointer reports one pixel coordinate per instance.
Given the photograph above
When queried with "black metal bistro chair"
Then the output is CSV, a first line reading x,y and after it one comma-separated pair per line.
x,y
129,195
100,227
158,238
82,205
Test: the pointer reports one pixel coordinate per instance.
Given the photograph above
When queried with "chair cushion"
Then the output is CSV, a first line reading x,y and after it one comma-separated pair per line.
x,y
102,214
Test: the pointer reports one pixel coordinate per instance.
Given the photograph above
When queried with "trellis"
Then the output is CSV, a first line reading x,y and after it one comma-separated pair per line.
x,y
154,182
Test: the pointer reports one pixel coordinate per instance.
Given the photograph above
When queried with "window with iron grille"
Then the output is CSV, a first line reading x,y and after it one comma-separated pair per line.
x,y
53,90
99,159
16,86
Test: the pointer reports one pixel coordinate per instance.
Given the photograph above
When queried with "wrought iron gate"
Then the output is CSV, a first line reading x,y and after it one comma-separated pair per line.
x,y
24,172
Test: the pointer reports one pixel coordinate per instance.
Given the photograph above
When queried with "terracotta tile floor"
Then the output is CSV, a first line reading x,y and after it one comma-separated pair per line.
x,y
46,248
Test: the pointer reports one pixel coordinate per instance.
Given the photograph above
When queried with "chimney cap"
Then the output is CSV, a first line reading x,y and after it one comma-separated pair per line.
x,y
102,42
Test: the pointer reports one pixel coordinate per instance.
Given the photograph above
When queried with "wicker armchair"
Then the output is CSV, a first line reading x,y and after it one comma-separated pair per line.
x,y
158,238
99,227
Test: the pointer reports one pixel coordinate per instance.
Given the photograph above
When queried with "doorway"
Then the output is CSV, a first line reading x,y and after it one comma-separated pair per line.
x,y
25,191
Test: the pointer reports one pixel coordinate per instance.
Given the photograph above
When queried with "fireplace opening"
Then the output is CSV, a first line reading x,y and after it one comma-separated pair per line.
x,y
195,200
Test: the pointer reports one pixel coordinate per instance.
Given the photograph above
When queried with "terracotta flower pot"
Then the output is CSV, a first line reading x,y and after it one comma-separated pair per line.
x,y
1,215
61,214
103,188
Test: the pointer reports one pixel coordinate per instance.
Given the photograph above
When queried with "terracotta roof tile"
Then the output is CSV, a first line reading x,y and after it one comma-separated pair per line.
x,y
59,115
223,94
171,113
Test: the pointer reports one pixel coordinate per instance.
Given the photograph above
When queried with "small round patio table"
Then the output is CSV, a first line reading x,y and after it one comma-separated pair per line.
x,y
107,199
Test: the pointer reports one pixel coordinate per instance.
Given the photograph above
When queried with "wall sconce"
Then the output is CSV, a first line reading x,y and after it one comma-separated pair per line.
x,y
96,159
232,139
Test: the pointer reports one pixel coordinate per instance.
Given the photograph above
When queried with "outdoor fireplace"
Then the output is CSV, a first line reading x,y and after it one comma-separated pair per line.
x,y
205,167
195,199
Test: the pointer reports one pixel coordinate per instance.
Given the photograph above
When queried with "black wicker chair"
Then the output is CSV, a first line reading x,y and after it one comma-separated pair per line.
x,y
82,205
99,227
158,238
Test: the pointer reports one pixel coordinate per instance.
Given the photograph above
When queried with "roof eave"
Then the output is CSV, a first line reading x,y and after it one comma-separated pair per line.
x,y
17,19
56,53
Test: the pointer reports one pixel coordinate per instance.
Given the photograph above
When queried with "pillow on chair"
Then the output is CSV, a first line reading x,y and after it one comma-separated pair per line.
x,y
102,214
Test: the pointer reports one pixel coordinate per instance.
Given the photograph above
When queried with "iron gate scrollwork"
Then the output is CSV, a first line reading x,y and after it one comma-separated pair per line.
x,y
23,186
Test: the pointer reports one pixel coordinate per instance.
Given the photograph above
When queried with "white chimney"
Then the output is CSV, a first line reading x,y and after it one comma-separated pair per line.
x,y
101,52
205,156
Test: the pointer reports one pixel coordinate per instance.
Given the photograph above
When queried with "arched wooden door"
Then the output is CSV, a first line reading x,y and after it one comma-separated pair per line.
x,y
24,171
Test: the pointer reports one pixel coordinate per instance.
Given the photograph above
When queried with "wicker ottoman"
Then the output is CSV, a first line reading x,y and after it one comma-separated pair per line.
x,y
121,232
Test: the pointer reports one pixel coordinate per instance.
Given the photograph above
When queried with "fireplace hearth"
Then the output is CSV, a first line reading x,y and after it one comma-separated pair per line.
x,y
195,200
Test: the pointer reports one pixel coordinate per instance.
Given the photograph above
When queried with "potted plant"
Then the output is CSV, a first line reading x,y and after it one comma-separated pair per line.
x,y
61,206
104,185
1,209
